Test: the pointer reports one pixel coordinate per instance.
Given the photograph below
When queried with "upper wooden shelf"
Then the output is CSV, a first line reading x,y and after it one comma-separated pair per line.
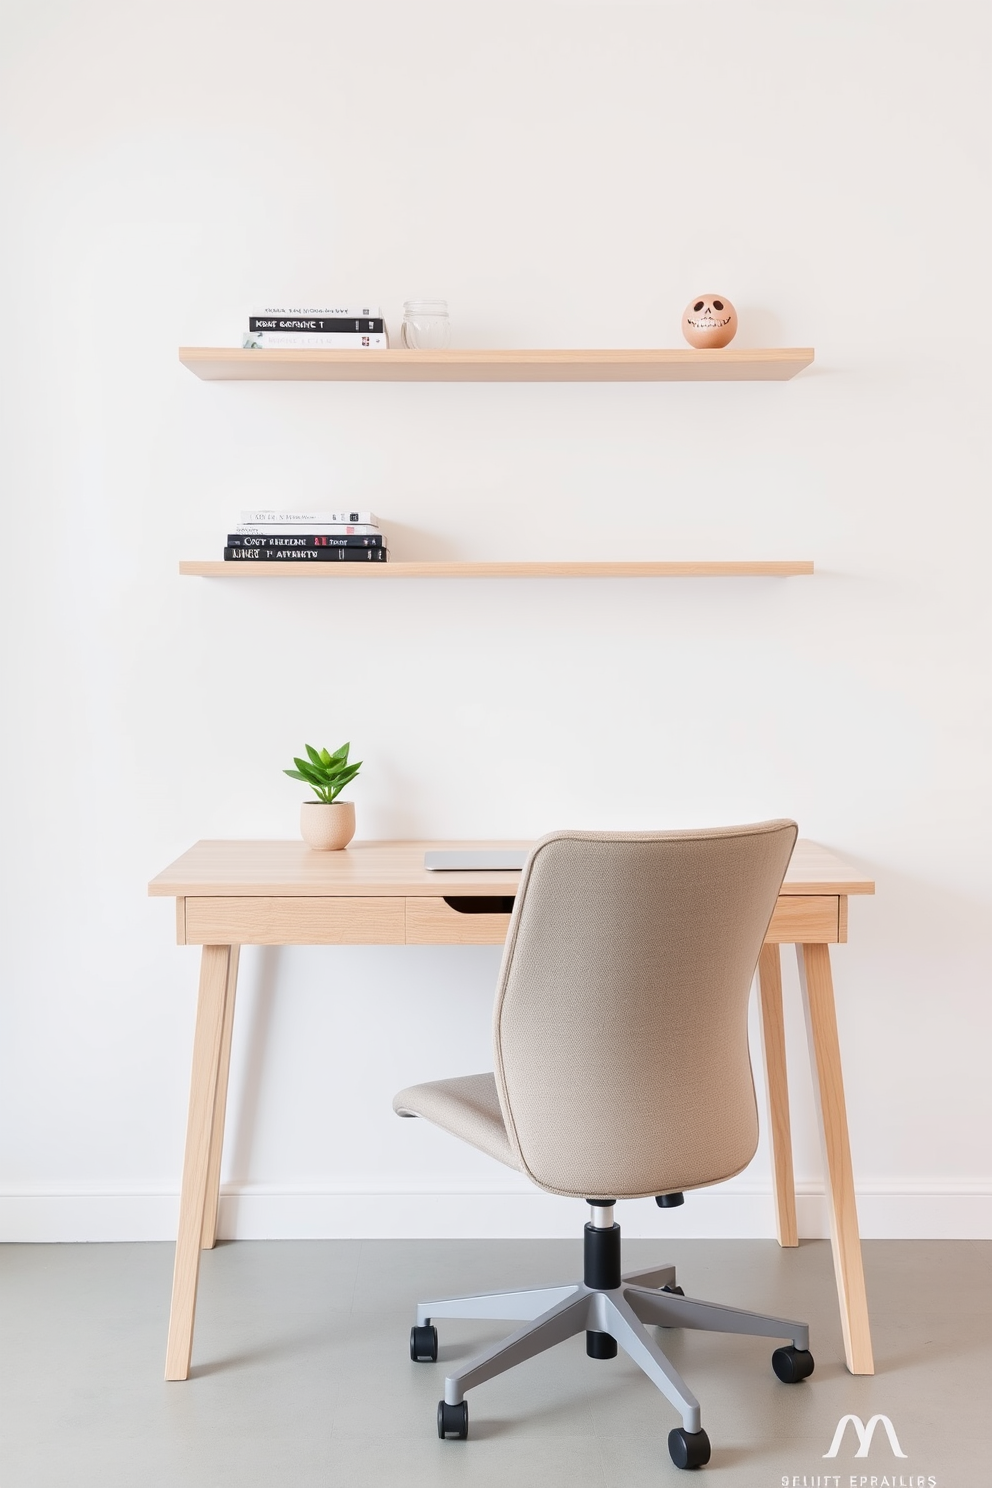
x,y
772,569
735,364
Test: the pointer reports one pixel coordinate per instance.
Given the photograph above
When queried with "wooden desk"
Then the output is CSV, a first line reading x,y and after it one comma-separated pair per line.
x,y
230,894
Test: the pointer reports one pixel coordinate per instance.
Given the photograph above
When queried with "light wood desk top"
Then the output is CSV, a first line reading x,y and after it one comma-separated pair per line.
x,y
366,869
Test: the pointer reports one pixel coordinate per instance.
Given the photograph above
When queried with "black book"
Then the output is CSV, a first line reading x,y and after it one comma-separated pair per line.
x,y
241,554
285,540
371,325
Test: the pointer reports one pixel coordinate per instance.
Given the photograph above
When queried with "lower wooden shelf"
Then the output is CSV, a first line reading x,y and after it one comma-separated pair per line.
x,y
731,569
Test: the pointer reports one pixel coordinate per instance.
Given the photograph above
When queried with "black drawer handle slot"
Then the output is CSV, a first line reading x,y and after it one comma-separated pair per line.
x,y
476,904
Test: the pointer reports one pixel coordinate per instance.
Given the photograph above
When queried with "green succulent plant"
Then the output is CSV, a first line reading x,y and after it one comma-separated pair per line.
x,y
326,774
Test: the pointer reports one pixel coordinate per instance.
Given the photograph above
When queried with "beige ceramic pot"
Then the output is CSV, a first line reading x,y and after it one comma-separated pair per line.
x,y
327,826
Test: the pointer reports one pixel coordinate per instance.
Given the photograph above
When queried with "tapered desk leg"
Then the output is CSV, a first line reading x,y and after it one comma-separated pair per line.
x,y
777,1079
824,1048
207,1042
208,1238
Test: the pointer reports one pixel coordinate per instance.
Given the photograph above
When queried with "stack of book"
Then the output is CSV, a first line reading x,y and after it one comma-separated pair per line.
x,y
333,328
306,537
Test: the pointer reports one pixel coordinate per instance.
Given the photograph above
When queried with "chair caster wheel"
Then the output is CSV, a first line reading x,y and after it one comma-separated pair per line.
x,y
423,1344
452,1420
689,1448
792,1364
673,1291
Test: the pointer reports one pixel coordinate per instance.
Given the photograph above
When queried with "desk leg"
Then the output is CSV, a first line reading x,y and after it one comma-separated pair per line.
x,y
777,1080
207,1044
208,1238
824,1049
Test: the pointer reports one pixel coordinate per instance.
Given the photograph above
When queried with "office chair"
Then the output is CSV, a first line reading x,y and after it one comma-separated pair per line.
x,y
622,1071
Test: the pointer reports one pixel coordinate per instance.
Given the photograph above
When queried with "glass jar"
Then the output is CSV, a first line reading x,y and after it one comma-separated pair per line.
x,y
426,326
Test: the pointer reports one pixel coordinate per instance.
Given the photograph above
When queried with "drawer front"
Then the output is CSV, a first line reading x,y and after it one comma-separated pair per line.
x,y
806,919
438,922
292,921
798,919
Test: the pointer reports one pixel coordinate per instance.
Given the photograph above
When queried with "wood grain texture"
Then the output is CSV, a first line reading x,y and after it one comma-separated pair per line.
x,y
433,922
350,920
800,917
396,868
828,1083
777,1081
209,568
207,1042
815,869
676,364
208,1233
261,920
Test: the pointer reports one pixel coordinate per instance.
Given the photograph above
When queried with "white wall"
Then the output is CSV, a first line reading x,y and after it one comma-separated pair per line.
x,y
566,175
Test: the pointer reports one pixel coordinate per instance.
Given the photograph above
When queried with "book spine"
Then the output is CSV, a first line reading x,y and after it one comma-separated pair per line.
x,y
242,554
328,312
311,520
311,529
288,341
324,325
301,540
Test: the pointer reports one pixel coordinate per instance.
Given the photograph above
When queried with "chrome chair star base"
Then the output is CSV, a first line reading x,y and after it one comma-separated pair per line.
x,y
613,1309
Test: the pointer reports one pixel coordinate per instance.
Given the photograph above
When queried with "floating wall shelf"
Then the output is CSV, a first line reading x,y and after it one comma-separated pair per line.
x,y
773,569
734,364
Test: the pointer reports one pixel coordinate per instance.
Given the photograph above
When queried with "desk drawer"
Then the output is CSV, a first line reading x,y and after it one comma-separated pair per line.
x,y
807,919
457,921
293,921
798,919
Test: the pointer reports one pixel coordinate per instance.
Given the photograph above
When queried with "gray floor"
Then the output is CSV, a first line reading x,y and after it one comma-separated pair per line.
x,y
302,1377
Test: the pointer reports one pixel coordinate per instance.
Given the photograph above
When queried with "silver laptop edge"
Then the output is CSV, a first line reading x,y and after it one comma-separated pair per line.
x,y
476,859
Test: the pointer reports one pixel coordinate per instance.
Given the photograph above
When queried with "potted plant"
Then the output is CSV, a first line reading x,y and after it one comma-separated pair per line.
x,y
327,824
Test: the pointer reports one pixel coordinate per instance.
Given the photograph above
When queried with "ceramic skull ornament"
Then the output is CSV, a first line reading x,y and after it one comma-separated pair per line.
x,y
709,322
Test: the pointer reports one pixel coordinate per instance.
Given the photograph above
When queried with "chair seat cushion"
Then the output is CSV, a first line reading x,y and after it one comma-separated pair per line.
x,y
468,1107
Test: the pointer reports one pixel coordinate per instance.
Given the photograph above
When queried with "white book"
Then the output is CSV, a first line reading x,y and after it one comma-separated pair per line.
x,y
315,341
325,312
312,529
268,516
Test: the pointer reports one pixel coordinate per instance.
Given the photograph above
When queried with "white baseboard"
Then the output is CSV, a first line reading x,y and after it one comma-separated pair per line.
x,y
927,1211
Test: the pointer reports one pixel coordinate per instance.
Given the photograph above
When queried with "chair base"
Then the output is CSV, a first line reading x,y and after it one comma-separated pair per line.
x,y
553,1314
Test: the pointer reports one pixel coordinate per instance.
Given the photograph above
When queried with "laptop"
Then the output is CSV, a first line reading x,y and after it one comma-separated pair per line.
x,y
476,859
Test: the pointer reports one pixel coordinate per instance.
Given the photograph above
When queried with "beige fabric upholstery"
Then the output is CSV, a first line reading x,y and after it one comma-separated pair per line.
x,y
620,1025
468,1107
